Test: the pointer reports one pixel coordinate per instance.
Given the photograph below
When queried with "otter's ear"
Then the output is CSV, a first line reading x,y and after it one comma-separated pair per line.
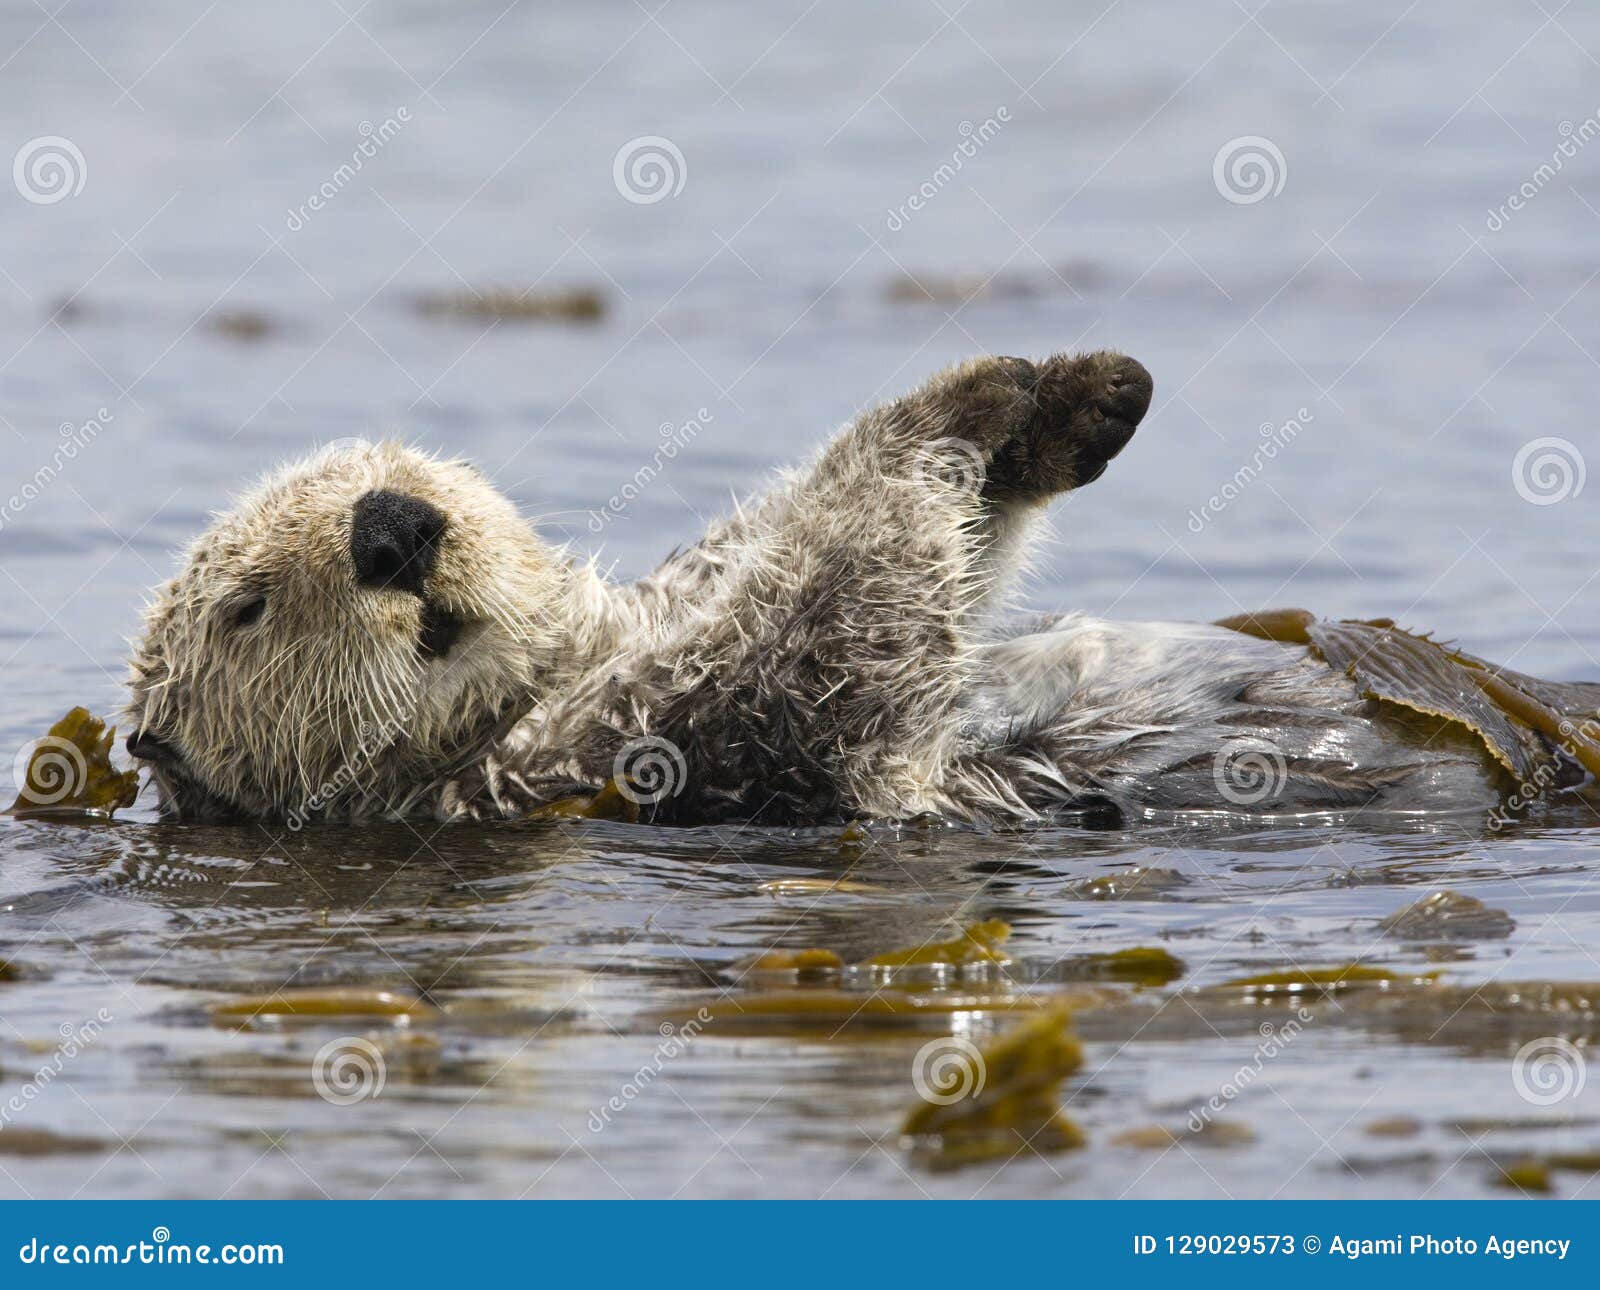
x,y
1086,408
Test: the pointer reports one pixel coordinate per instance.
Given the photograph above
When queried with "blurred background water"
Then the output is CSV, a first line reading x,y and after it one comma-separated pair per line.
x,y
1290,212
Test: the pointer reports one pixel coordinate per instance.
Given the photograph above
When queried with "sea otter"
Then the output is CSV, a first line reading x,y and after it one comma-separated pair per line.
x,y
375,633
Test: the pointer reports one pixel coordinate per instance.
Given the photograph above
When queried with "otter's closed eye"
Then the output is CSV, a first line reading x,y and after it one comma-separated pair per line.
x,y
249,611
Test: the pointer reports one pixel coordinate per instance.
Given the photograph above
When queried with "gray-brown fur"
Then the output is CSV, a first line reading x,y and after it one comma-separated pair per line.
x,y
832,650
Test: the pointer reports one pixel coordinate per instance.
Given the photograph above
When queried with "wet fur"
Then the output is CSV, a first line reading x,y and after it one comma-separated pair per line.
x,y
832,650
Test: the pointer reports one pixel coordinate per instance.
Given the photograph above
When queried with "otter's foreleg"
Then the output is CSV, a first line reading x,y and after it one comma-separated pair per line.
x,y
824,673
1012,431
1017,432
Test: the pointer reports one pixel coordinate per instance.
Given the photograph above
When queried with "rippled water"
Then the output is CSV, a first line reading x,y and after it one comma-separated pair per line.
x,y
1425,346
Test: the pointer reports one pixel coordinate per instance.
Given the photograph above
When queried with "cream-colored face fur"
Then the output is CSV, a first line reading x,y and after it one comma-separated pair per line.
x,y
273,680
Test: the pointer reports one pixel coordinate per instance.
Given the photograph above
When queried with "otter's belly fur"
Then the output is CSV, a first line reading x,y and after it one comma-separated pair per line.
x,y
1142,716
1192,716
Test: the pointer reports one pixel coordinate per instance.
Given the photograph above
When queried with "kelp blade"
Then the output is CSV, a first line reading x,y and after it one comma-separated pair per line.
x,y
69,772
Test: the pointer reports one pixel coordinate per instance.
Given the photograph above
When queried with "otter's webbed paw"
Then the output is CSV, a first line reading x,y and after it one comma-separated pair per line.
x,y
1080,412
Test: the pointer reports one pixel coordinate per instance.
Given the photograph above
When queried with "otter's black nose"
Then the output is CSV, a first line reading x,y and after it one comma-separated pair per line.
x,y
394,540
146,746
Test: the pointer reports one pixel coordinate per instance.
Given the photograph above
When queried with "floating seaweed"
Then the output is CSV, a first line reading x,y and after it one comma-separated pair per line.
x,y
788,964
1525,1175
1394,1126
958,288
1005,1100
835,1012
1129,884
243,325
506,304
610,803
1210,1133
1448,915
323,1004
19,1141
1521,719
70,773
1321,981
1146,965
978,943
820,887
973,957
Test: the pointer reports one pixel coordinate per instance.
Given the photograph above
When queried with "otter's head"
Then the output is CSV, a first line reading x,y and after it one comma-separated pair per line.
x,y
353,629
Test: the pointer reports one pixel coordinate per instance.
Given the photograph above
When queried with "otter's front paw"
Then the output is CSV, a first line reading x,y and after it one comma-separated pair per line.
x,y
984,403
1083,410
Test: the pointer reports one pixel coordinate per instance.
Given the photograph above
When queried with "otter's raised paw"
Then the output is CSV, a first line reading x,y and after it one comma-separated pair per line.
x,y
1084,410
